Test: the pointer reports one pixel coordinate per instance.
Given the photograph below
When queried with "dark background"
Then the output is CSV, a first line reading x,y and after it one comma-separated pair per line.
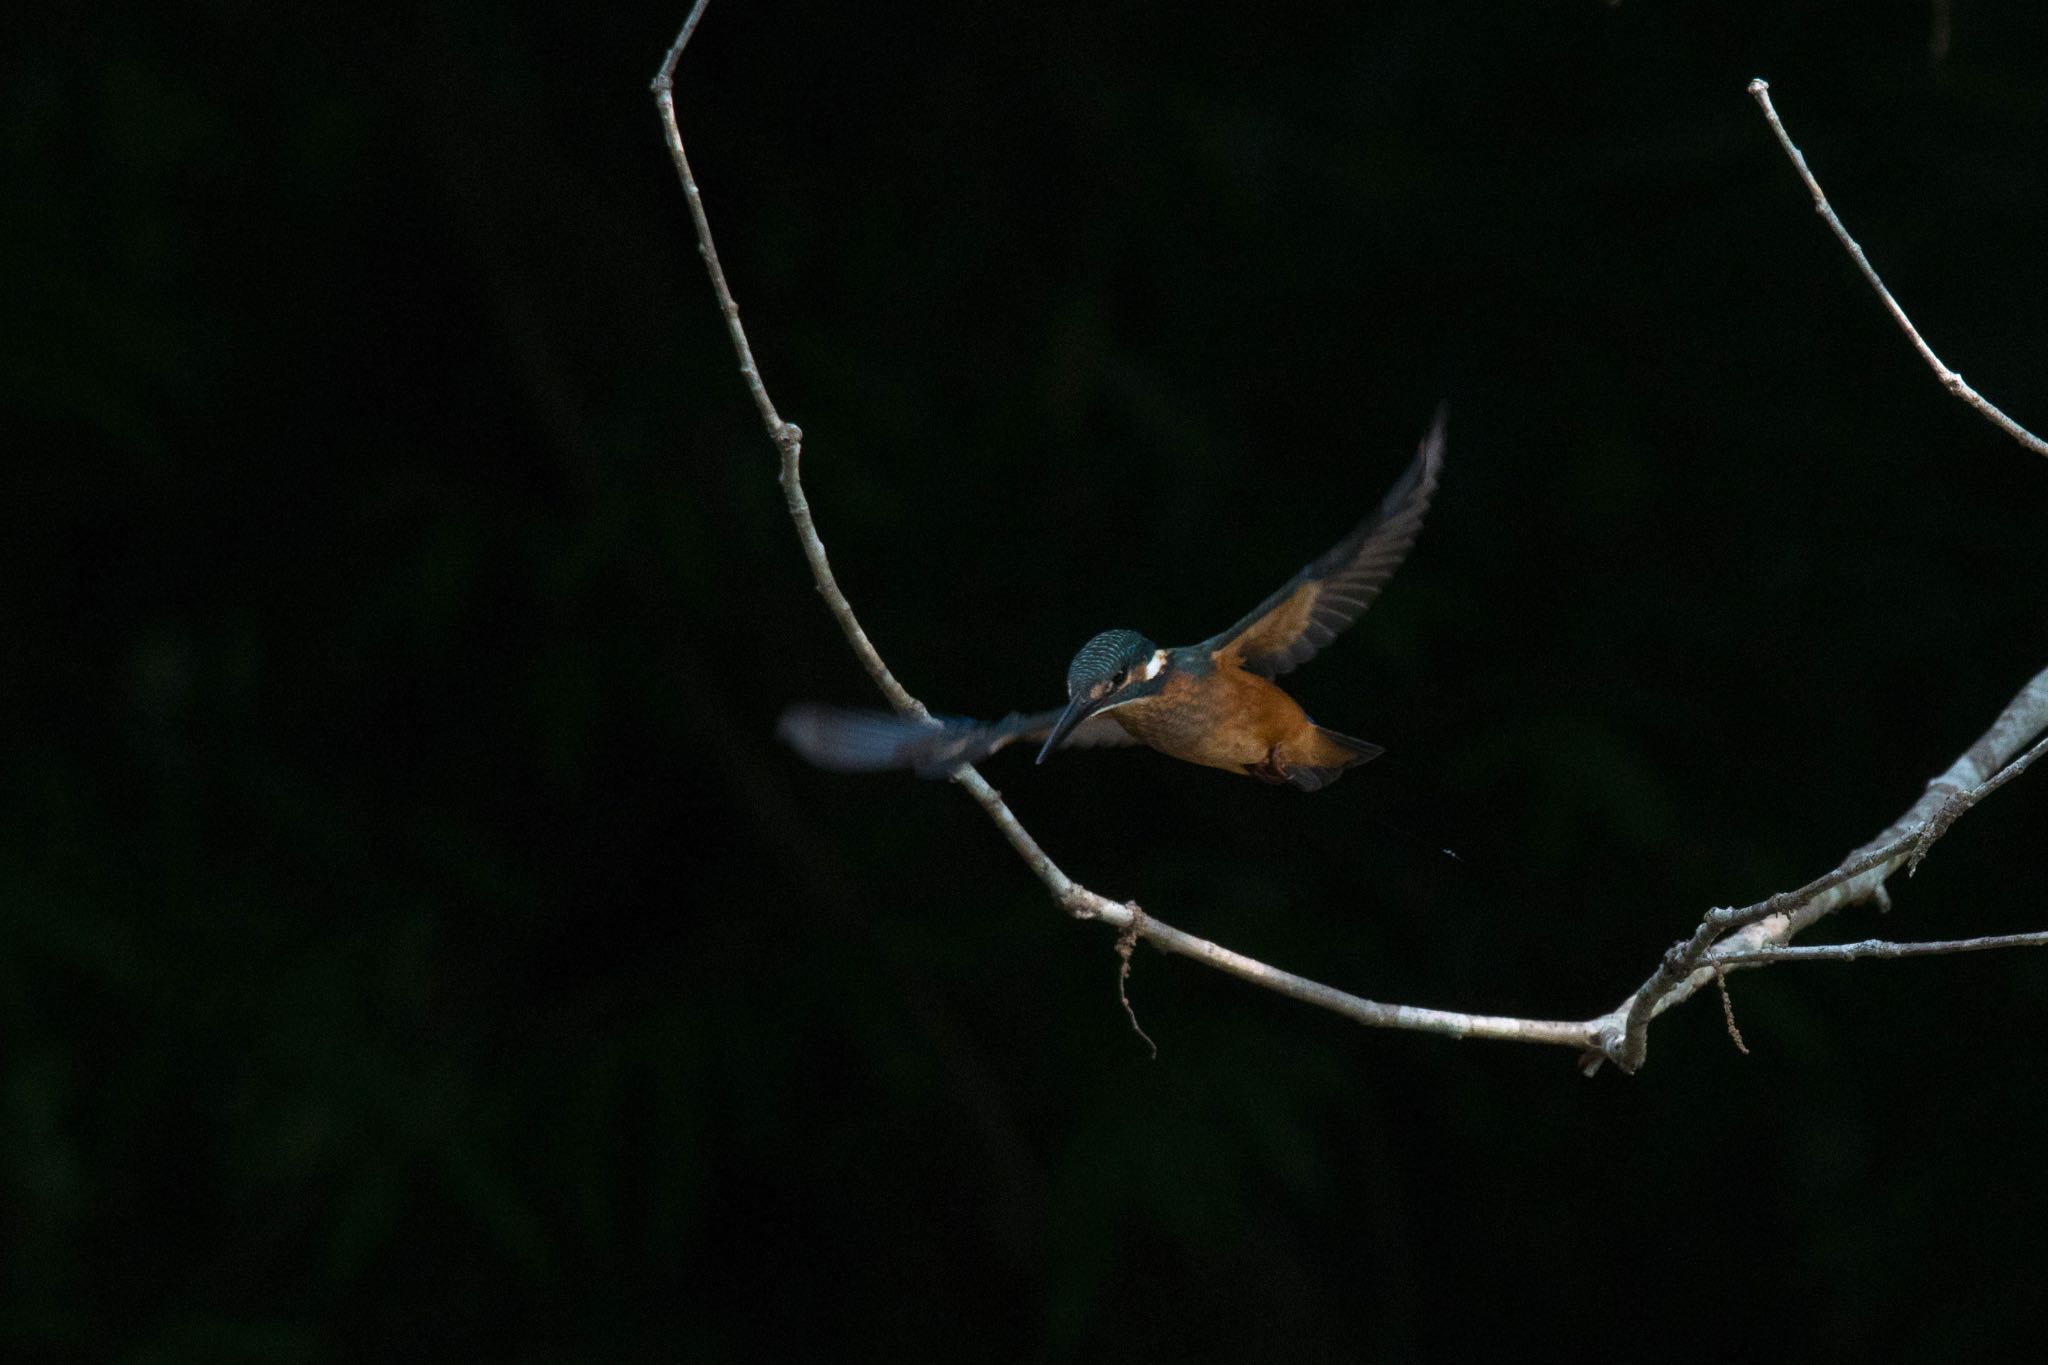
x,y
412,941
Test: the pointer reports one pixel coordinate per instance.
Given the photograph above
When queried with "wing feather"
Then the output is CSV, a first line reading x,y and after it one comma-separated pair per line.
x,y
876,741
1315,606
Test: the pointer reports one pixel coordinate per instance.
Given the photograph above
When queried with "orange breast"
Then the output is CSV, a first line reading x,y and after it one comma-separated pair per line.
x,y
1227,719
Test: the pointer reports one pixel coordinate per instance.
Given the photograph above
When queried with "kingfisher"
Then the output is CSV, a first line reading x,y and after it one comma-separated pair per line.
x,y
1213,703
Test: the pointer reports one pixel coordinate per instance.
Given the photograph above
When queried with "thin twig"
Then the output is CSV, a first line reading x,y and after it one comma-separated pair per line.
x,y
787,436
1873,947
1126,943
1617,1034
1950,380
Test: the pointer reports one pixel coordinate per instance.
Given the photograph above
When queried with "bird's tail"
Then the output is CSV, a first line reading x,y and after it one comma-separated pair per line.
x,y
1333,754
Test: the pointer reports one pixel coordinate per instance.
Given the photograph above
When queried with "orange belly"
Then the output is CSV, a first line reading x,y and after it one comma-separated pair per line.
x,y
1229,719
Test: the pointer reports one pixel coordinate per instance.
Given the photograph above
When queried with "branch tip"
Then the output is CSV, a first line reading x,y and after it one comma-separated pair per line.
x,y
1760,89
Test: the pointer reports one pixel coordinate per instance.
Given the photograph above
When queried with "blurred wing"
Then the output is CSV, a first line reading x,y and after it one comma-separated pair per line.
x,y
877,741
1316,604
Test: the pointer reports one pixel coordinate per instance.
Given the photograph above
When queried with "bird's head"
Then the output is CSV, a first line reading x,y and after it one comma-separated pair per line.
x,y
1116,667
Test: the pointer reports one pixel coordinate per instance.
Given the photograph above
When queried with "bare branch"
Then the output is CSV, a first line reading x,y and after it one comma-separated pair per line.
x,y
1983,768
1619,1034
1874,947
1950,380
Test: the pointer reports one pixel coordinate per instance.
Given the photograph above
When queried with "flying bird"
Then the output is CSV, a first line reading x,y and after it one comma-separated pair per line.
x,y
1213,703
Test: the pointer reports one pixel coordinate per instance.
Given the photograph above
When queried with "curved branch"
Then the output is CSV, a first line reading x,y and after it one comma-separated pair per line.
x,y
1618,1034
1760,89
1076,899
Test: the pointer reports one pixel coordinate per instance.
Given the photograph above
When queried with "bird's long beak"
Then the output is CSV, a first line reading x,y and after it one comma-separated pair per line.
x,y
1078,710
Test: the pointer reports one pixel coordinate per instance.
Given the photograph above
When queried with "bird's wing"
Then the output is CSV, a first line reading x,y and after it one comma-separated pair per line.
x,y
875,741
1290,626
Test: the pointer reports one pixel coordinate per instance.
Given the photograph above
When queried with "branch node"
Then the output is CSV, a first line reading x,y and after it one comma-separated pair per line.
x,y
1945,814
1078,901
1614,1038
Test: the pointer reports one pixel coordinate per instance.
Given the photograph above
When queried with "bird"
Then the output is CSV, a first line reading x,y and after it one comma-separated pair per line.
x,y
1213,703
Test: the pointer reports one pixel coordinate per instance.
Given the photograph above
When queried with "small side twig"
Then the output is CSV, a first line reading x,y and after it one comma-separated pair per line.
x,y
1728,1009
1125,943
1760,89
1872,947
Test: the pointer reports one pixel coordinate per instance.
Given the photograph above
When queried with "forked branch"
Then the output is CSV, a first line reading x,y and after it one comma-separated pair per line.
x,y
1620,1034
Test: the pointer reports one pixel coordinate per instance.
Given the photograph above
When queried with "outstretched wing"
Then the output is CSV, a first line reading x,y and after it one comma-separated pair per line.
x,y
876,741
1290,626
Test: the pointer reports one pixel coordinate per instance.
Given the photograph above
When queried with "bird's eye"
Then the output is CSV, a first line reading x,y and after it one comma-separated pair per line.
x,y
1119,680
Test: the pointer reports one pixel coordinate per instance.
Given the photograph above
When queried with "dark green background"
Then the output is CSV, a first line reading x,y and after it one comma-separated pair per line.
x,y
412,941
